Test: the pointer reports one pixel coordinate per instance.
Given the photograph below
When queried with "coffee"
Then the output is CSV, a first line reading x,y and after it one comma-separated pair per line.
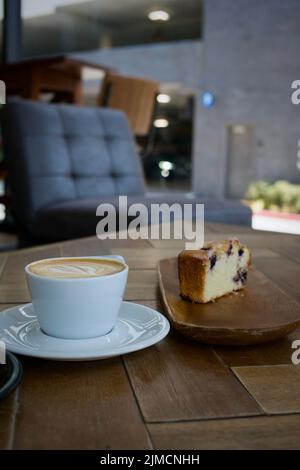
x,y
69,268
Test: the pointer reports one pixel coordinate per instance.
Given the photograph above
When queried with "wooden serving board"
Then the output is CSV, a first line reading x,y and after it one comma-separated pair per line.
x,y
261,312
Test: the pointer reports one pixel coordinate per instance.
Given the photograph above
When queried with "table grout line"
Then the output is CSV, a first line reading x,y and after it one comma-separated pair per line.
x,y
224,418
7,303
285,255
137,402
275,282
238,379
279,255
244,386
3,264
35,248
252,366
16,404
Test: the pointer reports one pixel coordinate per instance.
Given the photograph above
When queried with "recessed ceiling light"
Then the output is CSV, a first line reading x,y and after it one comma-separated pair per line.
x,y
163,98
158,15
161,123
165,173
165,165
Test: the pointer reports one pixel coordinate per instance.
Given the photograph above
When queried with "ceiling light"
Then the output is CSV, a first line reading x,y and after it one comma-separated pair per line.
x,y
158,15
161,123
165,173
163,98
165,165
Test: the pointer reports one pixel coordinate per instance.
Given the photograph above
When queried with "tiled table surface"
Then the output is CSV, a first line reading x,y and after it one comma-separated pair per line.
x,y
177,394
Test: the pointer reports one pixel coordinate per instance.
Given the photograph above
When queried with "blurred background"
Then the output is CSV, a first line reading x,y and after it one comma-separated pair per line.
x,y
205,85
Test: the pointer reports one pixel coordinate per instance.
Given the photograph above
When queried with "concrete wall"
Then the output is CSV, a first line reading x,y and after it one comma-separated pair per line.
x,y
251,56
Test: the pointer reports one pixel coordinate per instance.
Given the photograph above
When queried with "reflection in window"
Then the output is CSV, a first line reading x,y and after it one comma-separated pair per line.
x,y
64,26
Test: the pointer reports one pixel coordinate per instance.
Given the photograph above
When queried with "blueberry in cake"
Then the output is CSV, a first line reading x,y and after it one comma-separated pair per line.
x,y
215,270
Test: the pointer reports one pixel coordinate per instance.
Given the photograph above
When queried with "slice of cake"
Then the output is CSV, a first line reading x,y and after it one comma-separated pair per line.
x,y
215,270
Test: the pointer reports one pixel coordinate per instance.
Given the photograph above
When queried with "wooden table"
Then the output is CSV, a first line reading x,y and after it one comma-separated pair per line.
x,y
61,75
177,394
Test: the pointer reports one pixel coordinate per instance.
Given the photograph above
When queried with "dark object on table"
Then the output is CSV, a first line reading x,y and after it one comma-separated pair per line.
x,y
10,375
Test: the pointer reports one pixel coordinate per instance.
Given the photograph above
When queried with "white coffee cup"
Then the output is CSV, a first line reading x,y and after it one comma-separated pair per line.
x,y
78,308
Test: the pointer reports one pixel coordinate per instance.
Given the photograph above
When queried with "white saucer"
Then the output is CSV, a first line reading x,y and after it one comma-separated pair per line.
x,y
137,328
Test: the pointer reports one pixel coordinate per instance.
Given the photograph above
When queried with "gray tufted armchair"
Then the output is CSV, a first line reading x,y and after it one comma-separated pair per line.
x,y
63,161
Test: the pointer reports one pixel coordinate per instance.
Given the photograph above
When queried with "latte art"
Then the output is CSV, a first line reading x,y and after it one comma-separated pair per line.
x,y
69,268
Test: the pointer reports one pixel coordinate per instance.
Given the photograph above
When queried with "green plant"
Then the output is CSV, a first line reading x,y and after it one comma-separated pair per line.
x,y
280,195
